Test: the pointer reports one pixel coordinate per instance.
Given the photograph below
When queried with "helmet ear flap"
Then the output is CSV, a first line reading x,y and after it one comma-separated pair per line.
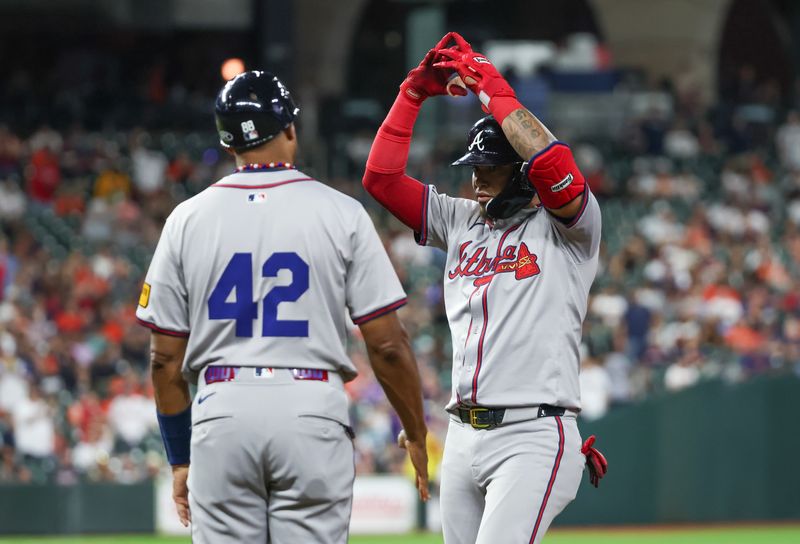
x,y
515,195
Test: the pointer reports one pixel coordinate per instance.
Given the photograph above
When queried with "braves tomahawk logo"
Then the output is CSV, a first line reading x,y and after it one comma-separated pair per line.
x,y
477,141
518,260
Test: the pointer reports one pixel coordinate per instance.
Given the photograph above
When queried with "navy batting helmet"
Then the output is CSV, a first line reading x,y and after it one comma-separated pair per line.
x,y
487,145
251,109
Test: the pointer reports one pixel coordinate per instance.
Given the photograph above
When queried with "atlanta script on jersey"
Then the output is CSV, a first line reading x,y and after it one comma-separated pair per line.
x,y
515,294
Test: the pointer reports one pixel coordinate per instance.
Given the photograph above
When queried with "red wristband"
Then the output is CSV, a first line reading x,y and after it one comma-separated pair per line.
x,y
502,106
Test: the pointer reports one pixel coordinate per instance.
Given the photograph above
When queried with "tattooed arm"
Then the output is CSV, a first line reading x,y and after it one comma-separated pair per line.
x,y
528,136
526,133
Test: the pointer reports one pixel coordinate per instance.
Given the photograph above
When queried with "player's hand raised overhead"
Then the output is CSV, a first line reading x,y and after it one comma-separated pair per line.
x,y
475,70
426,80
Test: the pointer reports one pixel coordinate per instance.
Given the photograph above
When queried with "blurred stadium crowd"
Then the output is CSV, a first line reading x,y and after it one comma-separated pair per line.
x,y
699,279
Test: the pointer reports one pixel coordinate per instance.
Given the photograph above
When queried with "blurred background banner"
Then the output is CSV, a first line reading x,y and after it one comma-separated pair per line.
x,y
683,116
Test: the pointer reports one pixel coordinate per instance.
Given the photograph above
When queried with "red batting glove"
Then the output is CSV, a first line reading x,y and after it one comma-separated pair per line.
x,y
595,461
477,73
426,80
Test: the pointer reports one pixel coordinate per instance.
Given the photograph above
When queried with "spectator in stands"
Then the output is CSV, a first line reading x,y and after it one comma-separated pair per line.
x,y
131,415
591,163
10,470
619,368
148,166
680,142
595,387
180,169
44,176
685,372
10,152
13,374
94,449
788,141
637,324
12,201
653,128
34,430
97,226
112,184
85,413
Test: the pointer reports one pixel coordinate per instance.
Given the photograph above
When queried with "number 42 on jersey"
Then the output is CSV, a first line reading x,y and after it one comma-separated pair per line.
x,y
238,277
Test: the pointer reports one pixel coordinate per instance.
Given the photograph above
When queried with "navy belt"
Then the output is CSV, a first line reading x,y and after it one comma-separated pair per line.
x,y
222,373
489,418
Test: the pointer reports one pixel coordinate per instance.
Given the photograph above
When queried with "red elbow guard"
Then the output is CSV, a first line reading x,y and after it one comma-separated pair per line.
x,y
555,176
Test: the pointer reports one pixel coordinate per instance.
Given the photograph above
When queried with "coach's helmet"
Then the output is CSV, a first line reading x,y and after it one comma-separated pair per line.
x,y
251,109
488,145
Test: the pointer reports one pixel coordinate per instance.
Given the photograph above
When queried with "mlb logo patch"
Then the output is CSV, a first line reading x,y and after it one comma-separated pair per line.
x,y
263,372
257,198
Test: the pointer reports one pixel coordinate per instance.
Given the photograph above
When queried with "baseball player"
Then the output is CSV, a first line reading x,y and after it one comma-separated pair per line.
x,y
521,258
247,296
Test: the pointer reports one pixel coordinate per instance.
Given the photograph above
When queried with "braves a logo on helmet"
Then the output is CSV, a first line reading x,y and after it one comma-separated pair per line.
x,y
477,141
518,260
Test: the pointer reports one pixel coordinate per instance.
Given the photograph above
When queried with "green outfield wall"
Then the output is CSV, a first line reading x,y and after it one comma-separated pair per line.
x,y
77,509
715,452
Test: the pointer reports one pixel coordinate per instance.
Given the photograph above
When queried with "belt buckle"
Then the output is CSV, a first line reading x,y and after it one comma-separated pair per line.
x,y
473,418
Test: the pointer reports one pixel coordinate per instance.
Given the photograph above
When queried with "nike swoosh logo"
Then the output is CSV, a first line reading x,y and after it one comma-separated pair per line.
x,y
201,400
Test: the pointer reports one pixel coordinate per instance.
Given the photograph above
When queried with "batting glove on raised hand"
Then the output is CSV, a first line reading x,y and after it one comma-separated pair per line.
x,y
475,70
426,80
595,461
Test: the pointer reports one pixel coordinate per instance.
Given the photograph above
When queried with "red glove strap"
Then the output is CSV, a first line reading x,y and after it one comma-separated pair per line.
x,y
555,176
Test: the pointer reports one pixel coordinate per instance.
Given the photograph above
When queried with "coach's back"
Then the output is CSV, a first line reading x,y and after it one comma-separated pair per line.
x,y
267,261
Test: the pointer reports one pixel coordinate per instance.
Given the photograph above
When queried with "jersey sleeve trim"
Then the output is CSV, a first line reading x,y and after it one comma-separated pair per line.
x,y
265,186
380,311
422,236
156,328
572,222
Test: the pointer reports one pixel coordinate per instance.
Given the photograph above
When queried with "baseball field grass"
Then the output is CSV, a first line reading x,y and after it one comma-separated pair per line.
x,y
780,534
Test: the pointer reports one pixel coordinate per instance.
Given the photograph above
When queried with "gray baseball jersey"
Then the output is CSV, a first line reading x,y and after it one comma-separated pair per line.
x,y
258,270
515,294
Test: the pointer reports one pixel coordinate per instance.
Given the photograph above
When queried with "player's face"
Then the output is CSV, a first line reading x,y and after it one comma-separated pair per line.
x,y
488,181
